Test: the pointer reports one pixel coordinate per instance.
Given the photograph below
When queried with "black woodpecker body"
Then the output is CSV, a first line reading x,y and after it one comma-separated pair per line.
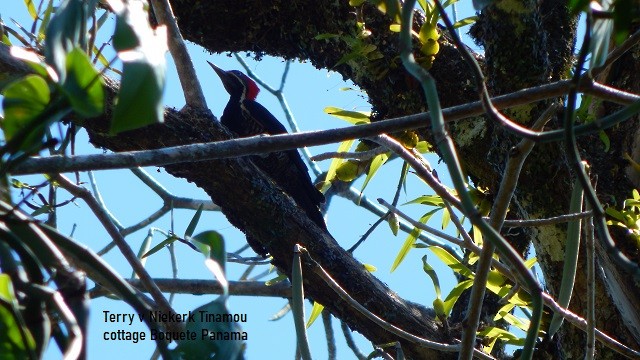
x,y
246,117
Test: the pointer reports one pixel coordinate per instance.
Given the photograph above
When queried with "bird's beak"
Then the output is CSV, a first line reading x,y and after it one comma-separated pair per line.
x,y
224,77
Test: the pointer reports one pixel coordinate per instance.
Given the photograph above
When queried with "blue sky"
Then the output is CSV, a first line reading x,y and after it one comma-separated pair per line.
x,y
308,92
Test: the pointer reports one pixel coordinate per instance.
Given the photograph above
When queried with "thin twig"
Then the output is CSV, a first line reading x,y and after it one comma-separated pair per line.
x,y
616,53
328,331
419,165
361,155
131,257
319,270
193,94
350,343
263,144
548,221
590,250
386,215
210,287
497,216
363,201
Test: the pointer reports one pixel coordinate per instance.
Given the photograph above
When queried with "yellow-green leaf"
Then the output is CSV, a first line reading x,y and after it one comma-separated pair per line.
x,y
331,172
353,117
315,312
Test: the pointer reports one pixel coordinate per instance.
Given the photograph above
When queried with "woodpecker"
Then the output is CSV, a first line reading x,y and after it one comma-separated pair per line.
x,y
246,117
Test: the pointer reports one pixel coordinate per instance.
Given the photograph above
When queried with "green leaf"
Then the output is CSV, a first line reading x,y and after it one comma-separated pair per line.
x,y
614,213
214,243
370,268
132,26
194,222
424,147
83,85
451,261
410,241
605,140
455,293
406,247
31,8
495,283
276,280
530,262
353,117
142,51
24,101
446,218
513,320
139,100
66,31
438,306
477,235
433,275
600,36
326,36
13,345
394,223
207,345
431,200
46,17
376,163
316,310
577,6
335,163
171,239
501,334
464,22
348,57
144,248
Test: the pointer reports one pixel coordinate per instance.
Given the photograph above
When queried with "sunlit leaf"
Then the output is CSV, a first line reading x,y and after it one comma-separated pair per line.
x,y
428,269
316,310
353,117
406,247
65,32
376,163
455,293
31,8
24,104
394,223
431,200
83,85
464,22
194,222
215,246
169,240
331,172
370,268
446,218
12,341
451,261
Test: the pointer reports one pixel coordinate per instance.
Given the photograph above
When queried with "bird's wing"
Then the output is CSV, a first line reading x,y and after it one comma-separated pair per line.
x,y
263,117
272,126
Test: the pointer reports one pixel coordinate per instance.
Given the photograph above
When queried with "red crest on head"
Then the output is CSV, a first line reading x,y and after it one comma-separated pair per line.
x,y
252,89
